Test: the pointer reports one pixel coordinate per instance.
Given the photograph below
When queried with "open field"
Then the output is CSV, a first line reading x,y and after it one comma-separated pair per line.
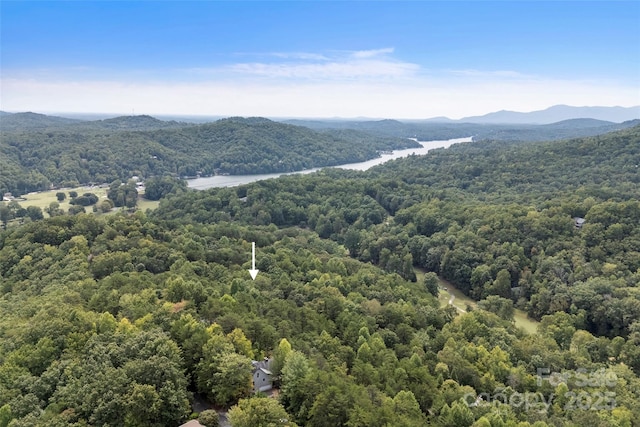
x,y
44,198
144,204
461,302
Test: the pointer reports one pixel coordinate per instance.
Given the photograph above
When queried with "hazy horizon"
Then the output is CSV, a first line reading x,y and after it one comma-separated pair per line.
x,y
402,60
203,117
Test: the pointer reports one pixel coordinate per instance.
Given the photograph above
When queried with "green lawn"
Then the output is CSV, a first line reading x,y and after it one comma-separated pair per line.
x,y
144,204
44,198
461,302
525,322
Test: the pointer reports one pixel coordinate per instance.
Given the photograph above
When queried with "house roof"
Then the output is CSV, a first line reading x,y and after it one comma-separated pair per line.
x,y
262,365
192,423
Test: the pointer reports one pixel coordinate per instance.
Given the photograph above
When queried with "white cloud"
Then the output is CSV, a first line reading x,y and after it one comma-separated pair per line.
x,y
334,70
332,66
371,53
301,55
489,74
348,84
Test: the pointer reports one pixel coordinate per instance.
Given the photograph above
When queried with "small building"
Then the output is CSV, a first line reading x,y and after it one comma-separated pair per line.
x,y
579,222
262,376
192,423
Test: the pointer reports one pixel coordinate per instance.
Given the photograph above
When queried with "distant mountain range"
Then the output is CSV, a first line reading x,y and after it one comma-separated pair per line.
x,y
555,114
503,125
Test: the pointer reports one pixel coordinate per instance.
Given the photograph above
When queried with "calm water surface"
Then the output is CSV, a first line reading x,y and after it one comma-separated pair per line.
x,y
234,180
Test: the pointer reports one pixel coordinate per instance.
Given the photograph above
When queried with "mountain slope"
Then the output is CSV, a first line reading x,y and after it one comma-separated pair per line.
x,y
572,128
32,160
473,210
423,131
604,164
32,121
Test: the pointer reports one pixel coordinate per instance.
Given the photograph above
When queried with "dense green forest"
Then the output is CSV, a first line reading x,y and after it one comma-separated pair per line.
x,y
33,160
117,320
494,218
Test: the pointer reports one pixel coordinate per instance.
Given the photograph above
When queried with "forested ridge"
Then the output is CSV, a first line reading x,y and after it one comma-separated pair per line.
x,y
41,122
116,320
103,151
434,130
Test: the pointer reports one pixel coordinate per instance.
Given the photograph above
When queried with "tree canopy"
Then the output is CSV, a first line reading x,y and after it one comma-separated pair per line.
x,y
120,319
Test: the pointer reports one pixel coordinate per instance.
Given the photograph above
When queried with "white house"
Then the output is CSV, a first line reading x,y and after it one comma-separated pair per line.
x,y
262,376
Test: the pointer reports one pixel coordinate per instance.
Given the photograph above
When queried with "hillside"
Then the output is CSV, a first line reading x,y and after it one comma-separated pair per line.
x,y
130,123
107,150
473,210
33,121
110,320
605,165
396,128
572,128
20,122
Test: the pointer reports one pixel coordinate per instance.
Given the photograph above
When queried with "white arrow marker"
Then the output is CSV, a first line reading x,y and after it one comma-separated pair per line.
x,y
253,272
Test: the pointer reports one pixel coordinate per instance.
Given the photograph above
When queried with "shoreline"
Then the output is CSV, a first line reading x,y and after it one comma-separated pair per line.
x,y
218,181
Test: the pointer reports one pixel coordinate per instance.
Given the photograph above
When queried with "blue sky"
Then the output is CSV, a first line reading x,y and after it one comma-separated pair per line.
x,y
414,59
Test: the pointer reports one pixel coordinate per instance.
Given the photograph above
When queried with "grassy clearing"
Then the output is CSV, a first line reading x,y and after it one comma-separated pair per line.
x,y
462,302
524,322
144,204
44,198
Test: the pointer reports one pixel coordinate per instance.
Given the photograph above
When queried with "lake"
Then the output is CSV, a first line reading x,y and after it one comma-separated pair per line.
x,y
235,180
